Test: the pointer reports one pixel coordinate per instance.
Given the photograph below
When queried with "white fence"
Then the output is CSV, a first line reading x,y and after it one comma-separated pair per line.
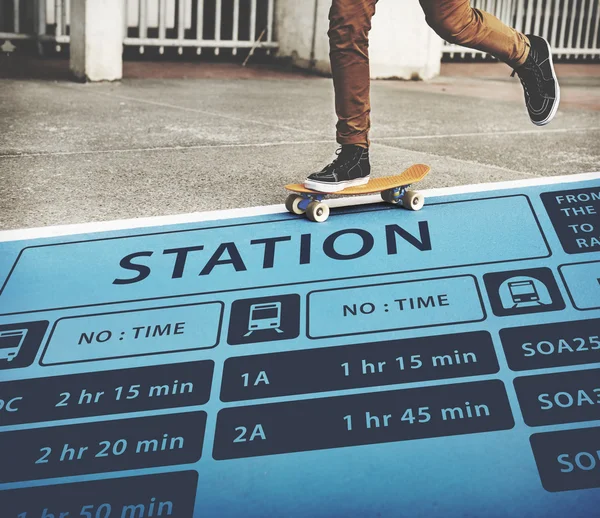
x,y
200,24
11,20
215,24
34,19
571,26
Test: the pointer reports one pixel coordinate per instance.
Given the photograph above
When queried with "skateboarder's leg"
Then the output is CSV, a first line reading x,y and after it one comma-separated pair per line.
x,y
457,22
349,26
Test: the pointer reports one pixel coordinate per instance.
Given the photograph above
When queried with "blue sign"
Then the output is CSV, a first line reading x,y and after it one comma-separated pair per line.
x,y
441,363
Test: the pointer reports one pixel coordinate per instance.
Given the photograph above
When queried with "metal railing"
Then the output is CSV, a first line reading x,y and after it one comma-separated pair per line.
x,y
571,26
214,24
199,24
11,25
54,17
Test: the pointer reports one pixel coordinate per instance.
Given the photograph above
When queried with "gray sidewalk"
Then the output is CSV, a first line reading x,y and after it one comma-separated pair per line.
x,y
73,153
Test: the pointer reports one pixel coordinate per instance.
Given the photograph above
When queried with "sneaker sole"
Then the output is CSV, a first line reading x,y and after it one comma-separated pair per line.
x,y
330,188
557,100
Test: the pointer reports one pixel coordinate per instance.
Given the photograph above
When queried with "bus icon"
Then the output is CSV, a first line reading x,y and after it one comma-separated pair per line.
x,y
264,316
11,342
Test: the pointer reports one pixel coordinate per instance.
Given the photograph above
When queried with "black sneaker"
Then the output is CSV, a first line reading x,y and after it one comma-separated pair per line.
x,y
542,93
350,168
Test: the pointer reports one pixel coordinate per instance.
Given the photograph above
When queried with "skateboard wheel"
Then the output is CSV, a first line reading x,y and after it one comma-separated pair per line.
x,y
292,204
413,200
388,196
317,211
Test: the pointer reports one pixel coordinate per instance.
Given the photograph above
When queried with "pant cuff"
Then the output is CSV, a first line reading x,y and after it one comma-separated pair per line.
x,y
521,61
360,139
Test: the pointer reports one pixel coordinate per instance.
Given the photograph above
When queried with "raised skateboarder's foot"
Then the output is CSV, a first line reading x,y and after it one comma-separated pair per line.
x,y
351,167
537,75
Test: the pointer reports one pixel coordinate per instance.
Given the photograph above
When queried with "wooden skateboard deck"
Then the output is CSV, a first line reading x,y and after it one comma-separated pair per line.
x,y
393,190
415,173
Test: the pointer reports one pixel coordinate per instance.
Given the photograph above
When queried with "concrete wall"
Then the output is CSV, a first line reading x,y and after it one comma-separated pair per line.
x,y
301,31
97,39
401,44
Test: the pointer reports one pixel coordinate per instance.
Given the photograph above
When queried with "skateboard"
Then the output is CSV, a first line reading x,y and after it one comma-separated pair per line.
x,y
393,189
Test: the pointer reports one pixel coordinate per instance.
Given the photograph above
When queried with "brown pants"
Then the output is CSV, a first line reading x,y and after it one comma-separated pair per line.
x,y
454,20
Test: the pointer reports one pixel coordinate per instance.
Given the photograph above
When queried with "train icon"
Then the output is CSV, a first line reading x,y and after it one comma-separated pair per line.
x,y
11,342
520,292
523,292
264,319
264,316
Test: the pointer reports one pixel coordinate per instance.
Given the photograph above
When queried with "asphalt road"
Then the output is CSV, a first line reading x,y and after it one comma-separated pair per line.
x,y
188,137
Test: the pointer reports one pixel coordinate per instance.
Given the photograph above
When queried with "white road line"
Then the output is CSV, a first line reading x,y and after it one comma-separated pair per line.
x,y
299,142
540,132
168,148
429,154
196,217
204,112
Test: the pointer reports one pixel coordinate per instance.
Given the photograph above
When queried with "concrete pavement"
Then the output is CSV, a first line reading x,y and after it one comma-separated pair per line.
x,y
202,137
